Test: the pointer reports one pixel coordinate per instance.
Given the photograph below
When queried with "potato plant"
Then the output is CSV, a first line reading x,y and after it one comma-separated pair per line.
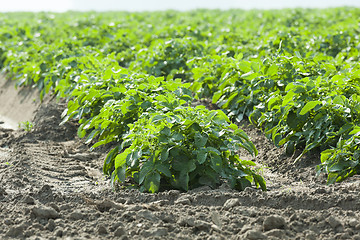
x,y
184,149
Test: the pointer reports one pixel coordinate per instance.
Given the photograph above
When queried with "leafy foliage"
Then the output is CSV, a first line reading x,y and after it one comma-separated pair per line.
x,y
295,74
183,149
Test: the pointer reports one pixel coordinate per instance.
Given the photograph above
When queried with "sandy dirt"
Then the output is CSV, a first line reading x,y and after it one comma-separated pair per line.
x,y
52,187
17,104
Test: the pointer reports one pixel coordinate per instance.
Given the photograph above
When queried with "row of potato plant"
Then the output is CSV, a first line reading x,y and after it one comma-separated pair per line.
x,y
160,142
294,73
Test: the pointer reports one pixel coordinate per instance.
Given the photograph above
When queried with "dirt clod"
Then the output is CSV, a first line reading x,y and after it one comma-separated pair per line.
x,y
101,229
76,215
231,203
29,200
273,222
45,212
120,231
333,222
50,225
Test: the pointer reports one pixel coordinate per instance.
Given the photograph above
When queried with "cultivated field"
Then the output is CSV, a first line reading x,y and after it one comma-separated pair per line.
x,y
168,125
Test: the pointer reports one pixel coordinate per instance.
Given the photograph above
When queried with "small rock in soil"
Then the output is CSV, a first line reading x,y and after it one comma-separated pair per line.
x,y
357,227
161,202
120,231
101,229
202,225
232,202
147,215
16,231
50,225
310,235
29,200
166,217
158,232
216,219
184,200
115,225
334,222
254,235
45,212
216,228
46,189
320,191
246,228
54,206
353,222
59,233
186,221
273,222
106,205
76,215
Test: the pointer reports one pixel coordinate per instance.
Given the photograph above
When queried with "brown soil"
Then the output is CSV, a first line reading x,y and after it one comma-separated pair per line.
x,y
52,187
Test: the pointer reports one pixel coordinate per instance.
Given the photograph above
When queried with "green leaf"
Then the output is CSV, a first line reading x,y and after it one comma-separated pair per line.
x,y
100,143
299,89
111,155
309,106
91,136
242,183
234,127
216,162
164,154
184,165
326,154
152,182
355,131
81,132
121,173
145,169
146,104
288,98
120,159
158,118
211,149
332,177
195,126
216,97
290,148
338,167
164,168
132,160
183,180
201,155
177,137
272,70
259,180
200,140
245,66
166,131
220,115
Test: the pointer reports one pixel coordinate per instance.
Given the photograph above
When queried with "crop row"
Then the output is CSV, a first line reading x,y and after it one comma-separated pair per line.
x,y
130,78
160,141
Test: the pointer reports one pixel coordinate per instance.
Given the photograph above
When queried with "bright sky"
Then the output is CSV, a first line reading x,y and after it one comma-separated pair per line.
x,y
148,5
